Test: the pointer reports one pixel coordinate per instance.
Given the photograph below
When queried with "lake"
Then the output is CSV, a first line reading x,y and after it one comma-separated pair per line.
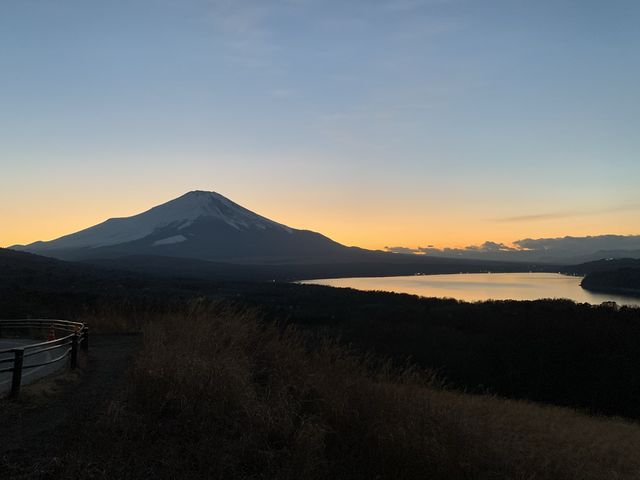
x,y
474,287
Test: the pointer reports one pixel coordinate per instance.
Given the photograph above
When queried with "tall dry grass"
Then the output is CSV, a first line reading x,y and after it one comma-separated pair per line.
x,y
216,394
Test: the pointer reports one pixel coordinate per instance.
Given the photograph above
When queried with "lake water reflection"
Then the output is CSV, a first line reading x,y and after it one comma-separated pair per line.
x,y
483,286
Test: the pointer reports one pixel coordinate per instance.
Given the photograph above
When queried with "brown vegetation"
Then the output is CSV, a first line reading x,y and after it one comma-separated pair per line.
x,y
217,394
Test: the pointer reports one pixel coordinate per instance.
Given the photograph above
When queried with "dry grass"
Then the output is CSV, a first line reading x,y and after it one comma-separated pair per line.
x,y
121,316
215,394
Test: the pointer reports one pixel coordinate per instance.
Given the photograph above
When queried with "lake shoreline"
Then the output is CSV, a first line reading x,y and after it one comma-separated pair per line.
x,y
631,292
477,287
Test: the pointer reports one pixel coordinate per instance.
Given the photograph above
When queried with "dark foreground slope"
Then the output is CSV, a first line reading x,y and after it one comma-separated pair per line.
x,y
215,393
552,351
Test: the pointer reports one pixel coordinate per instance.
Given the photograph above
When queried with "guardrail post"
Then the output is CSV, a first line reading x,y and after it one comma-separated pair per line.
x,y
85,339
74,351
16,380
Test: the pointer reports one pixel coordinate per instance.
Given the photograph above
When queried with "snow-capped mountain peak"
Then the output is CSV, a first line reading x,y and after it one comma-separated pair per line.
x,y
198,203
178,214
197,225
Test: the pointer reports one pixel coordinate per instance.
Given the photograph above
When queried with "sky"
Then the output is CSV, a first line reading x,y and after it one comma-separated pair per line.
x,y
409,123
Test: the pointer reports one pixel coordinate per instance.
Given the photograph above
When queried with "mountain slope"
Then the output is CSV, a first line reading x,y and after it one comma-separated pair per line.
x,y
201,225
607,264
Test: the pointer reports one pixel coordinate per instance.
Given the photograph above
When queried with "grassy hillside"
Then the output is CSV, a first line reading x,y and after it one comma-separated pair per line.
x,y
217,393
552,351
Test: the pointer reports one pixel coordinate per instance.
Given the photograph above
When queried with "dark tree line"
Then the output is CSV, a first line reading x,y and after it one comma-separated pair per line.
x,y
624,280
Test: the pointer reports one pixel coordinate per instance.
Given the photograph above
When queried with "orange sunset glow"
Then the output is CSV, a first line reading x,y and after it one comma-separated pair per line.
x,y
368,224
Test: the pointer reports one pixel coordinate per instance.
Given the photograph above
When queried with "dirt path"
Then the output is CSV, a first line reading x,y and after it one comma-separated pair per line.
x,y
33,427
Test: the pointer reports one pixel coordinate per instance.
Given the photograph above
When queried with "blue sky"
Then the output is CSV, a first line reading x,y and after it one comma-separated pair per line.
x,y
407,122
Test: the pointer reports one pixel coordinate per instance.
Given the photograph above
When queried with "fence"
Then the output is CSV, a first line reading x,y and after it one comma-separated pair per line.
x,y
64,339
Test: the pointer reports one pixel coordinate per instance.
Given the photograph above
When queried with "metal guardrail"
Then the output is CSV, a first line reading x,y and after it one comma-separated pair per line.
x,y
71,337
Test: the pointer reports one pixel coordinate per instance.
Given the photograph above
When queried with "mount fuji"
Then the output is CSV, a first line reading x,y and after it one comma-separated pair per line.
x,y
198,225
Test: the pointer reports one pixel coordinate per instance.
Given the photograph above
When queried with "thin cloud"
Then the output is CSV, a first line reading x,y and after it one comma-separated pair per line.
x,y
536,216
404,250
566,214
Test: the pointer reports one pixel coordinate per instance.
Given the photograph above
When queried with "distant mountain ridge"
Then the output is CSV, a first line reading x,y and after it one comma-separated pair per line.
x,y
604,265
201,225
